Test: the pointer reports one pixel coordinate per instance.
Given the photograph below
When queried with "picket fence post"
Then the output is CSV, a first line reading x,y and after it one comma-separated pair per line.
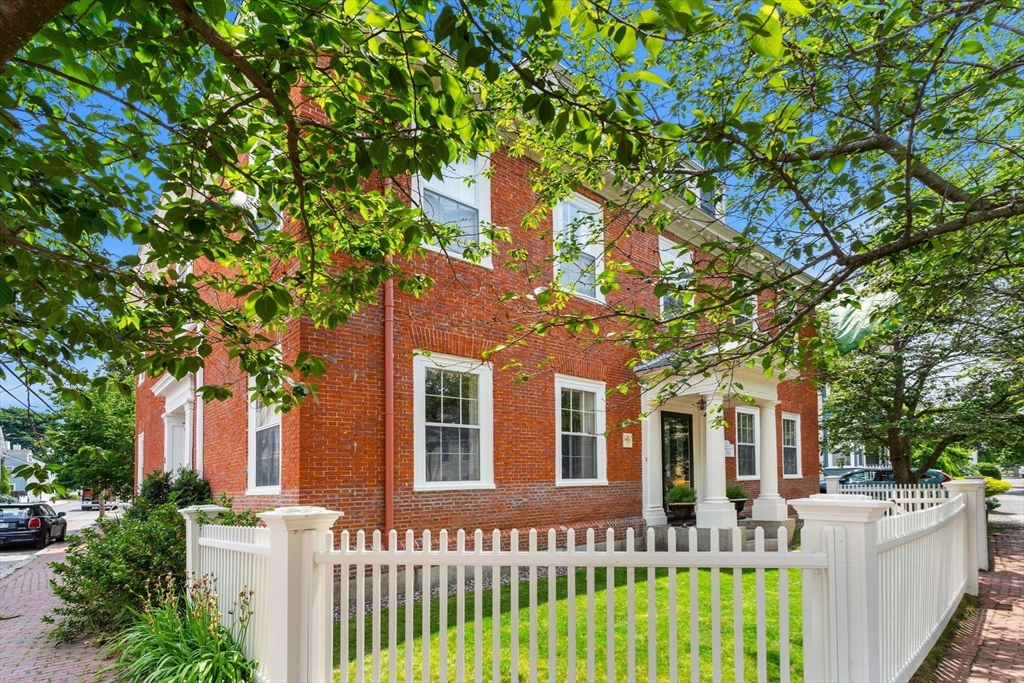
x,y
832,484
973,491
192,514
298,630
844,601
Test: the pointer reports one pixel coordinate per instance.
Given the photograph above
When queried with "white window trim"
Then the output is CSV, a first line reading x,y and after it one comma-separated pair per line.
x,y
598,389
757,444
485,398
595,250
799,447
482,186
680,256
251,488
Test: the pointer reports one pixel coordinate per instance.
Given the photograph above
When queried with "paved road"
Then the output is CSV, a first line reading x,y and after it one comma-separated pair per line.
x,y
1011,506
11,555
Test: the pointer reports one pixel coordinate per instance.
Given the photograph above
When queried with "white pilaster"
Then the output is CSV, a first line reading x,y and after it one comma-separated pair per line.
x,y
715,511
768,505
650,435
977,524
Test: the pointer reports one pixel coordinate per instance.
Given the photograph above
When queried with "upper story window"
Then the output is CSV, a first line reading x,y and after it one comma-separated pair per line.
x,y
460,198
581,442
746,313
453,422
264,448
676,263
790,445
579,245
746,443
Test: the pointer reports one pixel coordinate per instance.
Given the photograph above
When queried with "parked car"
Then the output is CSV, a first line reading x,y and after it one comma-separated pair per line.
x,y
31,523
875,477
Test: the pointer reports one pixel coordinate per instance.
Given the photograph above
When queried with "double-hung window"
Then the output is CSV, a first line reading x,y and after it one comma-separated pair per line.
x,y
746,313
264,448
790,445
579,245
677,273
460,200
453,421
580,443
746,443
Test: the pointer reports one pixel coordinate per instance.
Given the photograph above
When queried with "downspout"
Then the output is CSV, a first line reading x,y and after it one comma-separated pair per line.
x,y
389,397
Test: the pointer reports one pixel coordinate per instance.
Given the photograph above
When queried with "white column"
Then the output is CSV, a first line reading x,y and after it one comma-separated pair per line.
x,y
189,425
299,592
200,407
715,510
172,421
768,505
650,436
845,527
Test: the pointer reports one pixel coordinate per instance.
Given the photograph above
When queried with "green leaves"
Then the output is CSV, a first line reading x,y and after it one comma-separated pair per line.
x,y
764,32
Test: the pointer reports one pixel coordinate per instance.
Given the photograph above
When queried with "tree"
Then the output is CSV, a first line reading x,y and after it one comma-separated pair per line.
x,y
5,479
943,377
25,427
140,120
95,446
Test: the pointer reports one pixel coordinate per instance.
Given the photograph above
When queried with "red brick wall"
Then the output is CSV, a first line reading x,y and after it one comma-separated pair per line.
x,y
333,445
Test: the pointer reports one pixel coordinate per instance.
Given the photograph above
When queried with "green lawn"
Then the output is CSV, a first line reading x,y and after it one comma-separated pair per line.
x,y
703,609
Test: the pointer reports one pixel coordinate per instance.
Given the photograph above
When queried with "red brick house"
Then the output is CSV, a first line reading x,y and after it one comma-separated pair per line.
x,y
470,447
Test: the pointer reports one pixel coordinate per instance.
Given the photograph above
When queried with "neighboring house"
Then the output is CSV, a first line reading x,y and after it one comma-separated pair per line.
x,y
14,455
471,447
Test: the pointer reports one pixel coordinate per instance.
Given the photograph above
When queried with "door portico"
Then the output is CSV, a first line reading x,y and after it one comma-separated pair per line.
x,y
705,399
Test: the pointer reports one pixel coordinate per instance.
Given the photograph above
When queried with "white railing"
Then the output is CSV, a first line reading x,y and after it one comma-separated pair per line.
x,y
550,637
922,573
870,595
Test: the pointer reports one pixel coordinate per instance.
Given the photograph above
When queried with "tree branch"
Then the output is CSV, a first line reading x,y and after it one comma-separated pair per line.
x,y
21,20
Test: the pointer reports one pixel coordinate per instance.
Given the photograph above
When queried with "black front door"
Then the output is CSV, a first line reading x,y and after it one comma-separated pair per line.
x,y
676,450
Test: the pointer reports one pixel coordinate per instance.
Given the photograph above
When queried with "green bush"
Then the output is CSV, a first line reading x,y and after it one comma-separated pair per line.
x,y
232,518
994,487
156,488
180,638
107,571
190,488
681,494
735,491
987,469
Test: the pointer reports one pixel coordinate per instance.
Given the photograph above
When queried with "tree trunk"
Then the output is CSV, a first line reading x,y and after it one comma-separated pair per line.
x,y
21,20
102,506
899,457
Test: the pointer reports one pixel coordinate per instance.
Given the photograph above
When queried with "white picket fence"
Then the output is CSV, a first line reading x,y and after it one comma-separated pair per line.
x,y
904,498
874,593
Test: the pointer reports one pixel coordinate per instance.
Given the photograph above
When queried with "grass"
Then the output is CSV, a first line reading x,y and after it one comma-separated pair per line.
x,y
622,639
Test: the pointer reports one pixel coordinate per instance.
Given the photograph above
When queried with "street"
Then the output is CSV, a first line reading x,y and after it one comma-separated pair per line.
x,y
78,519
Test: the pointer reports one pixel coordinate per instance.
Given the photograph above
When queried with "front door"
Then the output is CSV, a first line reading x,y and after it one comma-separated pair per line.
x,y
676,450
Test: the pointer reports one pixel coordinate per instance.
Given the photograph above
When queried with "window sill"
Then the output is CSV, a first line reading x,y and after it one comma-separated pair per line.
x,y
593,300
792,476
569,483
263,491
432,487
754,477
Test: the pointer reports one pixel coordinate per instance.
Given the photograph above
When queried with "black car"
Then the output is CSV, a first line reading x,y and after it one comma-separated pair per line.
x,y
880,476
31,523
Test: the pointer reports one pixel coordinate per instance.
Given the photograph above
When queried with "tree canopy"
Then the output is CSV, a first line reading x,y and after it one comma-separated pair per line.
x,y
837,137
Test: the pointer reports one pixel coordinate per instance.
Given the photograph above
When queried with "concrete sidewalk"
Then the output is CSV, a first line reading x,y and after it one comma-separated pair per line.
x,y
28,654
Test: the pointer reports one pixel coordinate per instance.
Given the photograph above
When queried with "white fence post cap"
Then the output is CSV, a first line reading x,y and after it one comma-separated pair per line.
x,y
300,518
192,512
965,484
840,507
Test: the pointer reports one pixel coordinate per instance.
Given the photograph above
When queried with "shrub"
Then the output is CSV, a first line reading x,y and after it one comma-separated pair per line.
x,y
987,469
107,571
681,494
735,491
994,487
180,638
232,518
156,488
190,488
992,503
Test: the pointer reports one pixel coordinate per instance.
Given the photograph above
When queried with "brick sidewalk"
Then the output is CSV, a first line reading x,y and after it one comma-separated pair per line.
x,y
26,651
